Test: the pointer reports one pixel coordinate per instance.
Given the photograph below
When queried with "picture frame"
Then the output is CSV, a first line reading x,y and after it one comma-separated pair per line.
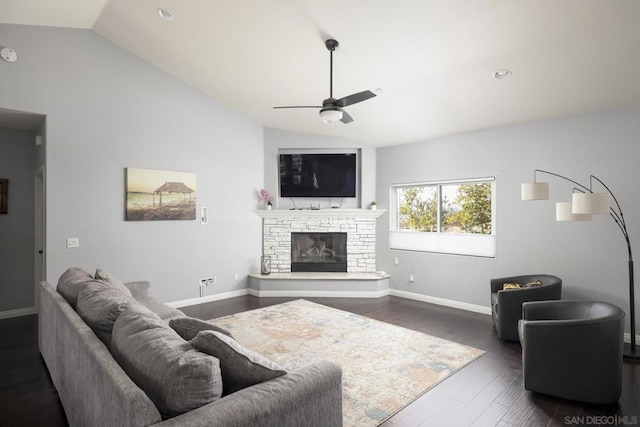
x,y
159,195
4,196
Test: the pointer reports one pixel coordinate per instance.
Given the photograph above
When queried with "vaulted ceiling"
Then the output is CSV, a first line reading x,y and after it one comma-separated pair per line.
x,y
431,62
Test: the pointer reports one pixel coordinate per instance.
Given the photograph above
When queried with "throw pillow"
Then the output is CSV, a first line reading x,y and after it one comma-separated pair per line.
x,y
532,284
71,282
105,276
510,286
99,305
188,327
240,366
176,377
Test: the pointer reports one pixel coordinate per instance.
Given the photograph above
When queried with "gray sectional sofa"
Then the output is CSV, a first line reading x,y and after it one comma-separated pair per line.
x,y
116,361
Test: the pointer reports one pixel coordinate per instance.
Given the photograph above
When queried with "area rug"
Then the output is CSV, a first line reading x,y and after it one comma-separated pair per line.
x,y
385,367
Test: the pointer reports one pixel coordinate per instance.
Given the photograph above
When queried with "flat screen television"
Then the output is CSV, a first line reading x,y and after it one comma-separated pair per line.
x,y
318,175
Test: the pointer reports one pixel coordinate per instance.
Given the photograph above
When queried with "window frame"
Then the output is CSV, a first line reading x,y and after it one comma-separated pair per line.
x,y
468,244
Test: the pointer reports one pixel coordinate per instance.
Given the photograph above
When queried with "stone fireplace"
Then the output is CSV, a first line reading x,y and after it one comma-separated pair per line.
x,y
318,252
356,226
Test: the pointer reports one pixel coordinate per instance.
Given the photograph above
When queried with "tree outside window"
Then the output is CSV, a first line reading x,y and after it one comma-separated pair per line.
x,y
447,208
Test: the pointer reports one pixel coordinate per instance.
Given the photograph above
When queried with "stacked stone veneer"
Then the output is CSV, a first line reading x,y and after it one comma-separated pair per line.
x,y
361,239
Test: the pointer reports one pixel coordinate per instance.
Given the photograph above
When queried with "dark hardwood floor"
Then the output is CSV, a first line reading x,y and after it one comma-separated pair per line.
x,y
487,392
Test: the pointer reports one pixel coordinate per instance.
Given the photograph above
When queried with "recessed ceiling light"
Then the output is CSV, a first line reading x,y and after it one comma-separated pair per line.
x,y
166,15
503,73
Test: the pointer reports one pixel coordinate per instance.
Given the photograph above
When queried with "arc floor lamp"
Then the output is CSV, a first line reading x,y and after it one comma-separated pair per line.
x,y
585,203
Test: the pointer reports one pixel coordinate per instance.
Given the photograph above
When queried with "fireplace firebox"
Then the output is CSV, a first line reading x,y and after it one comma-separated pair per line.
x,y
319,252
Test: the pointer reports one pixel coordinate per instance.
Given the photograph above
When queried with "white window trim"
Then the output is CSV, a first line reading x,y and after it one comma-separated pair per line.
x,y
480,245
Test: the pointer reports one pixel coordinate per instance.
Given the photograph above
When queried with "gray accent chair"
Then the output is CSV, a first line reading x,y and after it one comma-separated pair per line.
x,y
573,349
506,305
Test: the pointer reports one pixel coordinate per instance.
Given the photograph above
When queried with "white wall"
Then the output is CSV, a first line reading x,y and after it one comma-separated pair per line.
x,y
17,250
275,139
107,110
590,257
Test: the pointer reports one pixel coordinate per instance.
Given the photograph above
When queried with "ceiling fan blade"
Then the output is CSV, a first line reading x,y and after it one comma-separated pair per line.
x,y
355,98
300,106
346,118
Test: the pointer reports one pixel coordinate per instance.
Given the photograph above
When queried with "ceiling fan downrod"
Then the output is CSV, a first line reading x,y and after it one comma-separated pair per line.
x,y
331,45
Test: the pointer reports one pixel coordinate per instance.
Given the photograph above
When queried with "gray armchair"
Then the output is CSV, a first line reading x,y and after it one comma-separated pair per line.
x,y
506,305
573,349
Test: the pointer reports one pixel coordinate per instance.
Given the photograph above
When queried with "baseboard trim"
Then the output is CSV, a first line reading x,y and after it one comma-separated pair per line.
x,y
208,298
627,339
319,294
18,312
441,301
334,294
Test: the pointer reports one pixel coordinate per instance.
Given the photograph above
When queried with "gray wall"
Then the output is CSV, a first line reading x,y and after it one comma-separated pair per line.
x,y
107,110
591,257
275,139
17,251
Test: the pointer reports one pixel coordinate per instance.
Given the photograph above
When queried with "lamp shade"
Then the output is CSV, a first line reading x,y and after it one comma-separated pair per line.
x,y
590,203
564,213
535,191
330,115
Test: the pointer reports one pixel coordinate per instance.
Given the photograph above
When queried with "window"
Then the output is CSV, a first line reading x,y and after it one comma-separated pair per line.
x,y
454,217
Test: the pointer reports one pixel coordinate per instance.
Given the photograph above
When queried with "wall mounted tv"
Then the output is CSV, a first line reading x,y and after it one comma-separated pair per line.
x,y
318,175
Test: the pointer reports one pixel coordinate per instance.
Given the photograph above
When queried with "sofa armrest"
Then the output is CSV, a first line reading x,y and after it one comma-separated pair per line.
x,y
309,396
139,289
93,388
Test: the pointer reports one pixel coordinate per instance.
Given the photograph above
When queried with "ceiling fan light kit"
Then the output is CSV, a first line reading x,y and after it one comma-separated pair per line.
x,y
331,115
331,110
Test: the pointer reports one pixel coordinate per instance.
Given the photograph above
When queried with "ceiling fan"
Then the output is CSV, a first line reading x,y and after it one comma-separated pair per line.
x,y
331,109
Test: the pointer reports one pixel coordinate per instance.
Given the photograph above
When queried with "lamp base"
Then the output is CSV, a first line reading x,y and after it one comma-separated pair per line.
x,y
629,355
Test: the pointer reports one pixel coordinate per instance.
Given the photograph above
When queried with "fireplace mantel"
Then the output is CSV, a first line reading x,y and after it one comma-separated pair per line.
x,y
281,213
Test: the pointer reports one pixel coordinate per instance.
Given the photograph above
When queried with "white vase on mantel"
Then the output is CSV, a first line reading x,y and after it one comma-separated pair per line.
x,y
373,207
269,206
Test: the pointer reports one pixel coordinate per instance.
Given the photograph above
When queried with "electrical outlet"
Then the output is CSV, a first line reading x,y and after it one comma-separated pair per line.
x,y
236,276
208,281
411,278
396,260
73,242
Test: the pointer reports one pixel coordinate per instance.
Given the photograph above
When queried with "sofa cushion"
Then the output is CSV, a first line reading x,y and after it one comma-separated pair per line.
x,y
163,311
140,291
99,305
176,377
139,288
240,366
188,327
105,276
70,283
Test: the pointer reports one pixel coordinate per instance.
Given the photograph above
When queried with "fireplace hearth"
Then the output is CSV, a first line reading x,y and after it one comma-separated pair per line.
x,y
319,252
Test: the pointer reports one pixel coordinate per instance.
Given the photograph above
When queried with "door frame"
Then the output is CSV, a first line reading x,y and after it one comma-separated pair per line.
x,y
40,232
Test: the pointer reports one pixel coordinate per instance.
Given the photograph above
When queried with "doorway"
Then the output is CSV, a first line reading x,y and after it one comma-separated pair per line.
x,y
26,265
